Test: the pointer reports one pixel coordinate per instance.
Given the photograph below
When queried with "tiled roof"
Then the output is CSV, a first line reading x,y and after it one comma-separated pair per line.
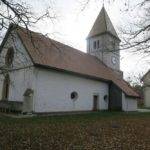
x,y
49,53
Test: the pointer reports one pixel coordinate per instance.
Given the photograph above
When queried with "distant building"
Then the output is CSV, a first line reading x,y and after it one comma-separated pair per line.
x,y
49,76
146,89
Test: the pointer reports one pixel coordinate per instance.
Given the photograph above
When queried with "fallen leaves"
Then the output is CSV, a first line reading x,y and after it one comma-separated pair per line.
x,y
116,133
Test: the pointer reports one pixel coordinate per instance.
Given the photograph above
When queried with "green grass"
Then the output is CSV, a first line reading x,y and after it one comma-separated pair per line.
x,y
99,130
74,118
143,107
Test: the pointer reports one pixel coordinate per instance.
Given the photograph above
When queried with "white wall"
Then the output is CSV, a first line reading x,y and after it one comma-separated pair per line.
x,y
147,96
53,89
128,104
147,90
20,81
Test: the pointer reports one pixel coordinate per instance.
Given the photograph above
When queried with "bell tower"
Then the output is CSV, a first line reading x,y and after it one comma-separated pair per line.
x,y
103,41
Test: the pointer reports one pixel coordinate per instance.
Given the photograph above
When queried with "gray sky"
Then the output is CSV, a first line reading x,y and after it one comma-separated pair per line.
x,y
73,25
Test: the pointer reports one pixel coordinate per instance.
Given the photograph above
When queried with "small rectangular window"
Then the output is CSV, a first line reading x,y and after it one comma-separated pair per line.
x,y
94,45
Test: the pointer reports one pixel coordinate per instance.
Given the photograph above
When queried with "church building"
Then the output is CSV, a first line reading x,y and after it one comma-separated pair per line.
x,y
45,76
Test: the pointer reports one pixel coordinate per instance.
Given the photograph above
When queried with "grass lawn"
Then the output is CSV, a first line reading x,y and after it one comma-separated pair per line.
x,y
94,131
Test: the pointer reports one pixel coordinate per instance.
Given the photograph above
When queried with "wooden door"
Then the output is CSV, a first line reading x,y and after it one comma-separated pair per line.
x,y
95,102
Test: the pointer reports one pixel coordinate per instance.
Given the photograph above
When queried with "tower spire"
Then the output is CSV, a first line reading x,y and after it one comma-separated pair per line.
x,y
102,25
103,3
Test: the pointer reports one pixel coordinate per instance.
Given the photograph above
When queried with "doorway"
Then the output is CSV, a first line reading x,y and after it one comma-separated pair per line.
x,y
28,101
95,102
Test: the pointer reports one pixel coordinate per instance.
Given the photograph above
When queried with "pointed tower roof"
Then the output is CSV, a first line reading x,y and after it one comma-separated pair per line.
x,y
103,24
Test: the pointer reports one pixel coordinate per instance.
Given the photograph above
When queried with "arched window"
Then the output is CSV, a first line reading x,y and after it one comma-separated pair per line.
x,y
74,95
6,84
9,56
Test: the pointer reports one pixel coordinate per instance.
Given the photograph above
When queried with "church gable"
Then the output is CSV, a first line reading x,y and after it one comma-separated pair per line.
x,y
13,54
17,66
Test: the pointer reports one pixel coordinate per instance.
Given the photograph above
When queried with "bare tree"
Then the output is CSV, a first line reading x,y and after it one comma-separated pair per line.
x,y
18,13
137,36
134,79
135,82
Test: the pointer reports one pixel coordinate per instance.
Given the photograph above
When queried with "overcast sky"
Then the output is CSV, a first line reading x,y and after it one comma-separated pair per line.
x,y
73,25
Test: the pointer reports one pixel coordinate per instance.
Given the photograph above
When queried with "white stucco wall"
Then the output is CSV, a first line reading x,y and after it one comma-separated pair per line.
x,y
146,90
20,81
53,89
128,104
147,96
